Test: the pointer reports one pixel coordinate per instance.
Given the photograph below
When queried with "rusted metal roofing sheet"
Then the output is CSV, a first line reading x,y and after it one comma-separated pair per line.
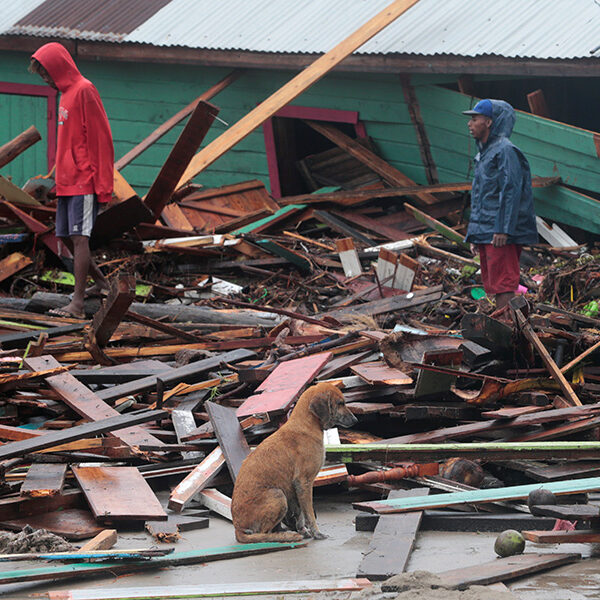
x,y
542,29
108,20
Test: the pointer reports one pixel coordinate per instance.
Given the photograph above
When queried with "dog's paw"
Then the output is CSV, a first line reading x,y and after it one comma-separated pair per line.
x,y
317,535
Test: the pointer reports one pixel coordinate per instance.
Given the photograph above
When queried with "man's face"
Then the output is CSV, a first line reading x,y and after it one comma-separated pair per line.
x,y
479,127
41,71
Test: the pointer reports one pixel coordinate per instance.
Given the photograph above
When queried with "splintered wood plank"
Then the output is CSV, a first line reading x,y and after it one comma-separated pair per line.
x,y
55,438
70,523
515,492
87,404
392,542
190,557
12,264
199,478
379,373
44,479
215,590
284,385
165,532
293,88
118,493
8,432
229,435
340,363
504,569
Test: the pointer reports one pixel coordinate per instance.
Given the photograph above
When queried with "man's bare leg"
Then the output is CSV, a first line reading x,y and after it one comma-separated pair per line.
x,y
101,285
81,266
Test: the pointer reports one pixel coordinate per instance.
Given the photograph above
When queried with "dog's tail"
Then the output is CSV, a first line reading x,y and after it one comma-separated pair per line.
x,y
273,536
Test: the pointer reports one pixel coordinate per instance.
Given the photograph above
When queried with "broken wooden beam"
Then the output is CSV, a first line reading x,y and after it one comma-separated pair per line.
x,y
18,145
113,309
183,151
55,438
188,373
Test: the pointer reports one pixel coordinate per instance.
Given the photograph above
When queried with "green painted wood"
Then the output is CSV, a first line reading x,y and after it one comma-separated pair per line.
x,y
514,492
110,568
282,211
17,113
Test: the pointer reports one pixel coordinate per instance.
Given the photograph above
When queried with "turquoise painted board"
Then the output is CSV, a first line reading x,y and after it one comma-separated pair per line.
x,y
177,558
18,113
515,492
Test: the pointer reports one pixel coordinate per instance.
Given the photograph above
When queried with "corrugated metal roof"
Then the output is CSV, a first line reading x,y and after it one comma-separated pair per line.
x,y
542,29
108,20
511,28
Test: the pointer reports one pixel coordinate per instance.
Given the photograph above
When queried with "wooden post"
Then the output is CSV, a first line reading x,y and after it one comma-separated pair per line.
x,y
16,146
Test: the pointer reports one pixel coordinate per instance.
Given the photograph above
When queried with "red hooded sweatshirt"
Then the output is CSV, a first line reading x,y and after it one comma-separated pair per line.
x,y
84,154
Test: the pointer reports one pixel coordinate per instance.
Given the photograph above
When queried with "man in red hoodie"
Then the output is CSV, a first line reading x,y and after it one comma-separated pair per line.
x,y
84,165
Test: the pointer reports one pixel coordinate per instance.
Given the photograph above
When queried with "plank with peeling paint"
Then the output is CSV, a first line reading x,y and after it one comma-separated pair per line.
x,y
284,385
119,493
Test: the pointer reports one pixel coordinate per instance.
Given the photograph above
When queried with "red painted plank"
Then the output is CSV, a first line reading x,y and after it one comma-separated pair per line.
x,y
284,385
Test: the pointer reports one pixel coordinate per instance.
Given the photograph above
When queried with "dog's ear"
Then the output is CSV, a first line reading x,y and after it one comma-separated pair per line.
x,y
322,408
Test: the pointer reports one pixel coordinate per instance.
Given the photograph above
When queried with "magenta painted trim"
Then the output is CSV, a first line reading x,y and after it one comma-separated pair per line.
x,y
318,114
303,112
25,89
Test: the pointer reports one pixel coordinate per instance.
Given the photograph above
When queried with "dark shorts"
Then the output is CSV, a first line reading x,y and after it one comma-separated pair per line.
x,y
499,268
75,215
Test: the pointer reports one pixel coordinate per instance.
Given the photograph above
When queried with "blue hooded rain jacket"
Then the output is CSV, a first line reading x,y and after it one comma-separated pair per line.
x,y
501,198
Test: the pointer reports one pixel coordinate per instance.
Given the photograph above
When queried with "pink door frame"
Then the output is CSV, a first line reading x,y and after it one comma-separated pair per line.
x,y
303,112
24,89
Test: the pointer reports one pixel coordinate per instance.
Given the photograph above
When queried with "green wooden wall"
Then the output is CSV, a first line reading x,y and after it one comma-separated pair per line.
x,y
139,97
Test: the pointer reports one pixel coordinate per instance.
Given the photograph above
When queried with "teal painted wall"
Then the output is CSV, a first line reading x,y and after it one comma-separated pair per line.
x,y
139,97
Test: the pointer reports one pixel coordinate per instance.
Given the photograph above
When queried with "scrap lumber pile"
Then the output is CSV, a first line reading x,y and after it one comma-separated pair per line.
x,y
226,304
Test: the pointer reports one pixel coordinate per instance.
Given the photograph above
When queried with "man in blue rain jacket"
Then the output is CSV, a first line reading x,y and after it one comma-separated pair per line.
x,y
502,213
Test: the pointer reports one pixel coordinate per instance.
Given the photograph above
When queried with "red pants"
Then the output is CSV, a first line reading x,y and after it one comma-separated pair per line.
x,y
499,268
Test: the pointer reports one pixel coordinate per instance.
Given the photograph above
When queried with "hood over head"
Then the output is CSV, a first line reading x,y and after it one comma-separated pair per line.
x,y
503,119
55,58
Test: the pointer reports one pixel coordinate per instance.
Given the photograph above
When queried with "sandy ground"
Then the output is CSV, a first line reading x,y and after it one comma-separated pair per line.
x,y
336,557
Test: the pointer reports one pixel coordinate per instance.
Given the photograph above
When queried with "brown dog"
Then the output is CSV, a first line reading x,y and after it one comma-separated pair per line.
x,y
275,481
